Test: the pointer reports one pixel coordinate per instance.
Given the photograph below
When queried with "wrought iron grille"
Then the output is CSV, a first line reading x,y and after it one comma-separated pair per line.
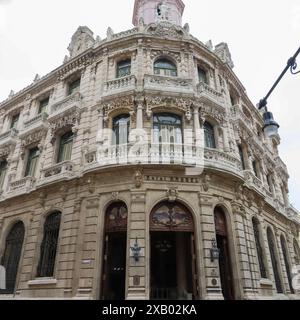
x,y
11,257
274,261
49,246
259,249
287,264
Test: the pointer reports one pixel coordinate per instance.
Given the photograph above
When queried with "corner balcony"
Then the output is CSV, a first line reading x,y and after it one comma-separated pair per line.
x,y
9,137
239,116
160,154
119,85
35,124
22,186
59,172
209,95
66,106
253,181
169,84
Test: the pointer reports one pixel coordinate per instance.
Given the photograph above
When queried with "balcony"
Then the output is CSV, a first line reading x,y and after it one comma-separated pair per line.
x,y
119,85
37,123
59,172
209,95
253,181
66,106
174,154
22,186
9,137
170,84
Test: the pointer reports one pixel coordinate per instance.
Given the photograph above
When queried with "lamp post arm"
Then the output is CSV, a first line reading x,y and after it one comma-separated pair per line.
x,y
292,65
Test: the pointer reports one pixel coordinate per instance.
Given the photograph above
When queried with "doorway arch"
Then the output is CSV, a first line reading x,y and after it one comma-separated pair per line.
x,y
225,263
173,257
12,254
114,253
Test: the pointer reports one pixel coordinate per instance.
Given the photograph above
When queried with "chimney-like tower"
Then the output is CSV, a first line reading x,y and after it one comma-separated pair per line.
x,y
152,11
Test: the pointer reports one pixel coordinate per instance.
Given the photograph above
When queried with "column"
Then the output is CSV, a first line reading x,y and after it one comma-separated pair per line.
x,y
225,138
138,275
210,287
139,116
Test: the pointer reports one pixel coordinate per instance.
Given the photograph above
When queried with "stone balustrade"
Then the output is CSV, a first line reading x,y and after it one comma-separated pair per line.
x,y
210,95
23,185
157,82
40,118
9,137
117,85
70,102
57,172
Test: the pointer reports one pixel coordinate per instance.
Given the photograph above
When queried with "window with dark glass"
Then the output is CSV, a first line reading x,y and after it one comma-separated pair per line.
x,y
287,263
32,160
297,252
274,260
3,169
255,169
124,68
209,136
259,249
65,147
202,75
232,100
167,128
165,67
74,86
270,183
14,121
12,255
49,245
242,156
121,128
43,105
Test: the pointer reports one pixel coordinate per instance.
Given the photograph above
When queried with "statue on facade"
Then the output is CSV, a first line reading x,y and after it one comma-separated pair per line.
x,y
163,11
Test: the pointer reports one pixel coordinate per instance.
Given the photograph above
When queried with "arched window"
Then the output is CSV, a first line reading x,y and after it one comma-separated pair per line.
x,y
165,67
124,68
12,255
167,128
259,248
3,169
49,245
274,260
202,75
286,262
121,128
65,147
209,136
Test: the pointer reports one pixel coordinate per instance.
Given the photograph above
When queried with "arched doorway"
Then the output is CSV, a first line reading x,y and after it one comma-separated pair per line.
x,y
115,247
12,255
173,257
225,264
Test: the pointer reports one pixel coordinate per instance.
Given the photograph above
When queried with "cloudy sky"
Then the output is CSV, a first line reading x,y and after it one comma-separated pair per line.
x,y
261,34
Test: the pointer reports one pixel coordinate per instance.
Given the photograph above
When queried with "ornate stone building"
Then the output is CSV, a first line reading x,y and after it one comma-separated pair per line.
x,y
139,169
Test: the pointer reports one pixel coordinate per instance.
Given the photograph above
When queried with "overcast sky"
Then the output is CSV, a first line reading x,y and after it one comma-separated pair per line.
x,y
261,34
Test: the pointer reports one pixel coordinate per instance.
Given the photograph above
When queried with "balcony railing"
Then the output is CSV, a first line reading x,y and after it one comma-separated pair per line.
x,y
72,101
9,136
254,181
163,83
209,94
40,118
120,84
58,172
24,185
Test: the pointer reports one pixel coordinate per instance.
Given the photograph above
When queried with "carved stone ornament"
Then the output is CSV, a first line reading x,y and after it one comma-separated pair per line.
x,y
81,41
138,178
223,52
117,103
237,208
206,182
172,194
33,138
165,29
115,196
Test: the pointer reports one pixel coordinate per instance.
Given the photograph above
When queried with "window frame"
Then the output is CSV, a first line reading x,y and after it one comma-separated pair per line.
x,y
73,86
67,135
14,121
116,128
30,158
3,171
171,71
209,129
124,64
201,70
43,106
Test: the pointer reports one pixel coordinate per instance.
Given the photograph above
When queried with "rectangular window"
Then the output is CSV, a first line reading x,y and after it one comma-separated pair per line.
x,y
43,105
124,68
3,168
32,160
65,147
74,86
242,157
254,165
14,121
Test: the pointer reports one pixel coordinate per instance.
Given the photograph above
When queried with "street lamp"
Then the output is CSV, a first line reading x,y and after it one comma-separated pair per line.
x,y
271,126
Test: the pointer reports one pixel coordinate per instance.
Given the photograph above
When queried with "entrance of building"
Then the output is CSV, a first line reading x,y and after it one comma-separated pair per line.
x,y
225,267
173,259
114,258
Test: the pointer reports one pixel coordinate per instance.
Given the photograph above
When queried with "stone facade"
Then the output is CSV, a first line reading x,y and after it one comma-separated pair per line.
x,y
83,187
